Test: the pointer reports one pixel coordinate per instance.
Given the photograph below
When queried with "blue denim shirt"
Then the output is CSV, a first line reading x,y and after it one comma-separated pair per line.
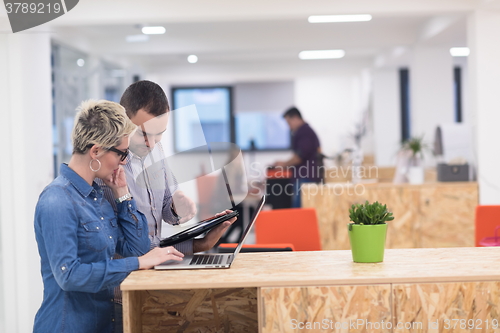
x,y
78,233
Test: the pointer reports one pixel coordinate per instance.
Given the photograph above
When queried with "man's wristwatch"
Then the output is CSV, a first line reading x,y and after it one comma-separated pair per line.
x,y
172,209
127,196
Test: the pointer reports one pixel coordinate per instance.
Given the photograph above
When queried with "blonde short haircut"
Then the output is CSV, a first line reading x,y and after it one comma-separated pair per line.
x,y
102,123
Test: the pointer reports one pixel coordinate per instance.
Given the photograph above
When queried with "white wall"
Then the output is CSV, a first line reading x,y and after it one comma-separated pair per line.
x,y
386,115
26,168
331,106
484,71
431,85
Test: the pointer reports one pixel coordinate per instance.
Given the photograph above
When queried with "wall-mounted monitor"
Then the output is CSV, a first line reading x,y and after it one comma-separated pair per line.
x,y
213,106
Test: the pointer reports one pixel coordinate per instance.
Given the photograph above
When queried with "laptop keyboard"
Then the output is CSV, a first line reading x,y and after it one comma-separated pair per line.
x,y
206,259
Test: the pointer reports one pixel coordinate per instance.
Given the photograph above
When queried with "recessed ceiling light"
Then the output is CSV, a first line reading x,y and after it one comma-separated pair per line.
x,y
80,62
159,30
460,51
136,38
192,59
321,54
339,18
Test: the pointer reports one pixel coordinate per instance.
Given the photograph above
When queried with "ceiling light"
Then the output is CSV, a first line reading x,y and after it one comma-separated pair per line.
x,y
192,59
80,62
321,54
339,18
153,30
398,51
460,51
136,38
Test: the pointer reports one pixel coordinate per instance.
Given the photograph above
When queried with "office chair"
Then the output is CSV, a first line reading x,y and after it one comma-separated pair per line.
x,y
206,186
298,226
487,219
230,247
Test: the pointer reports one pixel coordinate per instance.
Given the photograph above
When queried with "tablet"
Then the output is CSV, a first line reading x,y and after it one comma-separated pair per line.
x,y
197,230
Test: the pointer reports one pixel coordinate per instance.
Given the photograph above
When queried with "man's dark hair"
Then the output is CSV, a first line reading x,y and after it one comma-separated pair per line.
x,y
292,112
145,95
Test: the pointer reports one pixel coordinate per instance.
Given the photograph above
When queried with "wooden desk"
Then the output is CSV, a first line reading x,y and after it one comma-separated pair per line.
x,y
272,292
427,215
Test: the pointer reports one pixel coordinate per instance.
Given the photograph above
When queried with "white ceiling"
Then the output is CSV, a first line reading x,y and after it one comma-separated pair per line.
x,y
230,31
257,41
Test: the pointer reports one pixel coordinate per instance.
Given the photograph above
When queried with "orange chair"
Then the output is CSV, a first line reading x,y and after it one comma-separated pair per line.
x,y
298,226
230,247
487,219
206,188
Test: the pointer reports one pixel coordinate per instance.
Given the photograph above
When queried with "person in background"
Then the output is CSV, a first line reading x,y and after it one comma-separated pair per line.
x,y
306,163
150,181
78,232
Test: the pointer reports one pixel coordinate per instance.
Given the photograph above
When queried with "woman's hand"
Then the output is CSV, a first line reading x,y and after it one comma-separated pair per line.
x,y
117,182
158,255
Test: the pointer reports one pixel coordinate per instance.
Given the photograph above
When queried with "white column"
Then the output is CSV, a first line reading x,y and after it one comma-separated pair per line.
x,y
386,116
484,72
431,85
26,168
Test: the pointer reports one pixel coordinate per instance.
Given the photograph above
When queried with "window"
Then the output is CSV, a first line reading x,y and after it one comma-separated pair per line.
x,y
213,106
248,114
404,84
457,89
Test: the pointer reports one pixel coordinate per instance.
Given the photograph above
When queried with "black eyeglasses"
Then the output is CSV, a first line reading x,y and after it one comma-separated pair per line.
x,y
123,154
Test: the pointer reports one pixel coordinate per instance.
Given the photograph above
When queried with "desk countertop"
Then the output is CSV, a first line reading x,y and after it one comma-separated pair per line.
x,y
278,269
367,183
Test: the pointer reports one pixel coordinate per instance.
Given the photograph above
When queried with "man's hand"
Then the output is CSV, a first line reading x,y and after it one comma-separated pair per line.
x,y
213,236
184,206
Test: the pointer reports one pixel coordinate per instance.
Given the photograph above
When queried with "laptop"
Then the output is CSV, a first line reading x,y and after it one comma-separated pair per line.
x,y
212,260
204,225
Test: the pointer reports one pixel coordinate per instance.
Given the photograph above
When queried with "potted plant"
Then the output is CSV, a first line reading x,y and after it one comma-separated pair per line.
x,y
415,148
368,231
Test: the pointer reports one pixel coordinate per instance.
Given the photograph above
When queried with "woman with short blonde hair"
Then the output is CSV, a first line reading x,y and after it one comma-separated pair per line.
x,y
78,232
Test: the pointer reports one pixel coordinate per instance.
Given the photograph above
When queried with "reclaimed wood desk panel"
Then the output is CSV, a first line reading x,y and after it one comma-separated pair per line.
x,y
427,215
265,291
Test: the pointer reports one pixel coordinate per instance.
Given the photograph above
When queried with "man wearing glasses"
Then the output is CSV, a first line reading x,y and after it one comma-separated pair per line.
x,y
149,180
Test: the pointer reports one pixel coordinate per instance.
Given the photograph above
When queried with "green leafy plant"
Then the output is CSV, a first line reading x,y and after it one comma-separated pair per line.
x,y
416,145
369,214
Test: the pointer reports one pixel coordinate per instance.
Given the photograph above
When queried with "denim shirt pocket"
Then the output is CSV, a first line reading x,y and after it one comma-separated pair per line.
x,y
113,222
94,236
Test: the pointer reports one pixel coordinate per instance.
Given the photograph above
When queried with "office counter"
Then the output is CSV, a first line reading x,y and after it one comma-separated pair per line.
x,y
277,292
432,214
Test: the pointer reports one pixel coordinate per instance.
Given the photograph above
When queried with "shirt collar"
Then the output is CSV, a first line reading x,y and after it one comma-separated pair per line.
x,y
78,182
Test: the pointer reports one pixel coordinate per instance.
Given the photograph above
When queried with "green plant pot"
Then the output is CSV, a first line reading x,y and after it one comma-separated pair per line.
x,y
367,242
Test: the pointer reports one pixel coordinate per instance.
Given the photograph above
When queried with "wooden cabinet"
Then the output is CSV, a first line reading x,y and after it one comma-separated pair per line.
x,y
412,290
427,215
446,215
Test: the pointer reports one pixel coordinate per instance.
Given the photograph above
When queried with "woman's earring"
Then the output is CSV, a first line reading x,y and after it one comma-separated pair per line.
x,y
99,168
